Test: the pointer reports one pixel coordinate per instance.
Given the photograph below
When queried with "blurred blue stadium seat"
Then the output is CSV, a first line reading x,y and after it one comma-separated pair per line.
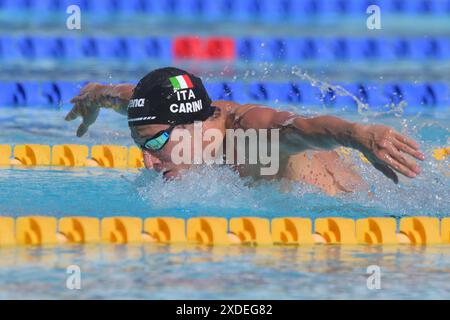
x,y
435,94
252,49
426,6
430,48
426,95
56,48
6,94
314,49
278,11
395,93
398,7
375,49
264,92
26,47
116,48
344,7
343,49
58,93
368,93
158,48
295,49
230,91
299,93
89,47
45,6
281,49
8,49
400,48
20,94
330,98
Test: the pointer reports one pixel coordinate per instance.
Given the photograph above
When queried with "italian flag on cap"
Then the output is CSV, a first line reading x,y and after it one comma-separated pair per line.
x,y
181,82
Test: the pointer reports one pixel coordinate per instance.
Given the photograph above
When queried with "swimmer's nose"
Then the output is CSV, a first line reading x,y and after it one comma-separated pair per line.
x,y
158,167
157,163
151,161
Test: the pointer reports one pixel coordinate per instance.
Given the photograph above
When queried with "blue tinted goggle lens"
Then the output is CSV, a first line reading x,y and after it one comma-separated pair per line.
x,y
158,141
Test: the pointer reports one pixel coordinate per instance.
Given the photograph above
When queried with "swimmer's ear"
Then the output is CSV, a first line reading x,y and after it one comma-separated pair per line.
x,y
388,172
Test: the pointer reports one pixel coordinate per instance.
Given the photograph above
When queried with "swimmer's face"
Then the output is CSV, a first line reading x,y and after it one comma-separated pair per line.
x,y
161,160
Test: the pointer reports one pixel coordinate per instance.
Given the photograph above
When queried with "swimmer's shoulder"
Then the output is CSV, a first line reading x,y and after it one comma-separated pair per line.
x,y
233,111
225,105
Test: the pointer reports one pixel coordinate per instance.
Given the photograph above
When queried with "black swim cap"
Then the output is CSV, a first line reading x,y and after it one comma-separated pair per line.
x,y
169,96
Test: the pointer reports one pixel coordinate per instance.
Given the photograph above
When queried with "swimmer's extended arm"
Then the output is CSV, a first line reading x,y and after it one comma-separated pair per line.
x,y
383,146
94,96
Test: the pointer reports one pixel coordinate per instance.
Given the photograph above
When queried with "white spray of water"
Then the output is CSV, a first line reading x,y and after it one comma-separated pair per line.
x,y
208,190
363,108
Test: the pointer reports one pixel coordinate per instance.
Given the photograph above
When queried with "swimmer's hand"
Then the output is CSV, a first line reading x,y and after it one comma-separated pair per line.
x,y
87,106
386,149
94,96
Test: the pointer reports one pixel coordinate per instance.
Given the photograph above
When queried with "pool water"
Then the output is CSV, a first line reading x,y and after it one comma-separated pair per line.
x,y
154,271
208,190
171,272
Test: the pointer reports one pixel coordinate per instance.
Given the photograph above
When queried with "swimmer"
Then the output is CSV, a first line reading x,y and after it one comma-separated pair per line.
x,y
171,99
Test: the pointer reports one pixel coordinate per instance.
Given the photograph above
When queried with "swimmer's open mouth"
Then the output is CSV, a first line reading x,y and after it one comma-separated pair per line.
x,y
170,174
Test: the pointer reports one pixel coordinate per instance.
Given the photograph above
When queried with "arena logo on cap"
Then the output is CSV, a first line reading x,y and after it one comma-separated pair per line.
x,y
181,82
136,103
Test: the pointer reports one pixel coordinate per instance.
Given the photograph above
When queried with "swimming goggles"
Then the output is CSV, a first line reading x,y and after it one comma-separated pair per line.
x,y
159,140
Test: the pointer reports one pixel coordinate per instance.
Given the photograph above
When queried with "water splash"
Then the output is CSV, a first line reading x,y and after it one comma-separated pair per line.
x,y
363,108
220,191
325,87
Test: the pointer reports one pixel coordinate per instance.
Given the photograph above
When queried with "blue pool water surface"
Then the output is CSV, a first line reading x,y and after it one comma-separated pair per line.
x,y
154,271
169,272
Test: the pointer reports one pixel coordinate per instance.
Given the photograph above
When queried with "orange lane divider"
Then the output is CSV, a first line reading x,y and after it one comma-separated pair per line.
x,y
376,231
135,157
32,154
110,156
5,154
80,229
7,234
72,155
36,230
336,230
441,153
208,231
292,231
445,230
421,230
254,231
122,230
166,230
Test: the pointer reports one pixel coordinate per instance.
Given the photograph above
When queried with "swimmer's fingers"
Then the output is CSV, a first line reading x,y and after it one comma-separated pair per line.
x,y
88,119
399,163
409,165
78,98
388,172
73,113
408,146
405,140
